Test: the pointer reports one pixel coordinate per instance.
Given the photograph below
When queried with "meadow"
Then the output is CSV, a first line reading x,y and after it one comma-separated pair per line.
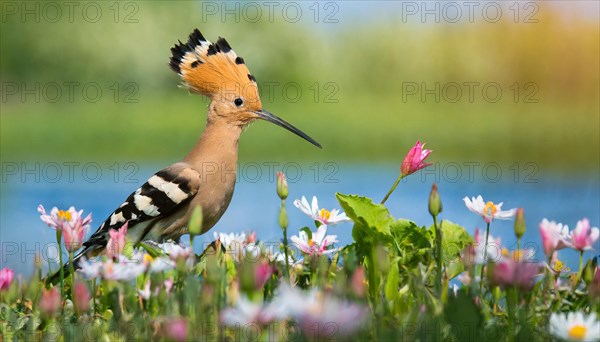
x,y
365,79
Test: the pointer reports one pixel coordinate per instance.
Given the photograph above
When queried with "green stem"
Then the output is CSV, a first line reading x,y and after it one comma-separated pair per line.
x,y
94,295
72,271
373,290
438,257
511,301
549,280
392,189
580,273
487,234
285,244
60,258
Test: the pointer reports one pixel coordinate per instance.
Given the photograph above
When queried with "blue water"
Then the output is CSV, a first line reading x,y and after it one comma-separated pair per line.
x,y
255,205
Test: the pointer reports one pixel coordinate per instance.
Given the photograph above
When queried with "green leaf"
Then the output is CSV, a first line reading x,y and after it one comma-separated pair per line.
x,y
307,231
362,210
371,221
407,233
154,252
392,283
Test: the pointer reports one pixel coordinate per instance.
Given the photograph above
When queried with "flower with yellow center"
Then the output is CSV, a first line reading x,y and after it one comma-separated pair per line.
x,y
577,332
61,218
323,216
65,215
147,259
575,326
488,210
317,244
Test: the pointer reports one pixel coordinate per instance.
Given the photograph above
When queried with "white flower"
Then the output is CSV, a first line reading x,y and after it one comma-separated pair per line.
x,y
489,211
158,264
279,257
231,241
244,312
317,310
324,216
125,269
161,264
239,245
172,249
317,245
89,268
574,326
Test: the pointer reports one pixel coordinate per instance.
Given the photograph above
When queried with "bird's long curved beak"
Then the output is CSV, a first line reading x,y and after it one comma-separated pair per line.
x,y
263,114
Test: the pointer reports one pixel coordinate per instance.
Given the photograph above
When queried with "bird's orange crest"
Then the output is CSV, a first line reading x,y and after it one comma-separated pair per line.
x,y
213,69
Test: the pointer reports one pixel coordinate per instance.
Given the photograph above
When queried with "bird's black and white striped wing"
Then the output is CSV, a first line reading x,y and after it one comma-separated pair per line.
x,y
161,195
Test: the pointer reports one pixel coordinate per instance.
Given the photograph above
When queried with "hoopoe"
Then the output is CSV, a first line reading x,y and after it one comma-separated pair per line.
x,y
160,209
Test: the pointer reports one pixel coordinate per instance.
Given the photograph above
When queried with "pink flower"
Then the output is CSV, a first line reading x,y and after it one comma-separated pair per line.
x,y
117,241
262,274
58,218
414,160
554,236
583,237
318,244
82,297
168,285
176,329
509,272
359,285
50,302
6,277
73,232
251,238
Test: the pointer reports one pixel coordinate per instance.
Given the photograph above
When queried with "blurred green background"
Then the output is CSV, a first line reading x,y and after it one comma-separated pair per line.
x,y
357,78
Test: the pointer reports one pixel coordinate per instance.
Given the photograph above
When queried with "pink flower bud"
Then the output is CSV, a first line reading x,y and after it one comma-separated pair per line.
x,y
414,160
358,282
50,302
262,274
6,278
82,297
117,241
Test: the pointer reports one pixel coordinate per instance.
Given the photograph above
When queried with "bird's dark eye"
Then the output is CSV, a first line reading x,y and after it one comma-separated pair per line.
x,y
238,102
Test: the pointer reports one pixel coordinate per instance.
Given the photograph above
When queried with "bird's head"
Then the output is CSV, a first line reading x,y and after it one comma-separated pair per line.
x,y
215,71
